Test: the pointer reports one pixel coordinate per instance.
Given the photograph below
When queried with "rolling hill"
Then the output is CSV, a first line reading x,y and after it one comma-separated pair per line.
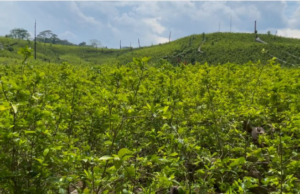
x,y
217,48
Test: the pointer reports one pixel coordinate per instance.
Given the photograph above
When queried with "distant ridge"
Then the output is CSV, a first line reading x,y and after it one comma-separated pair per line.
x,y
213,48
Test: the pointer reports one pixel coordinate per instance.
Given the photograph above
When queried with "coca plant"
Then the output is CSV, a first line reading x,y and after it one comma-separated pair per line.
x,y
148,128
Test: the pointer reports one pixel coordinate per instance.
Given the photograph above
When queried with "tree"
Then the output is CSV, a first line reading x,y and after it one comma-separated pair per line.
x,y
46,34
19,33
54,38
82,44
95,43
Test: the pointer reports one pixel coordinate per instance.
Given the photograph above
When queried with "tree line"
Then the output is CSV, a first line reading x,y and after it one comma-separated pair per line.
x,y
47,36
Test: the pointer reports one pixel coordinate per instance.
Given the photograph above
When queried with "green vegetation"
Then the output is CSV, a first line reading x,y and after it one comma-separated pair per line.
x,y
48,37
218,48
18,33
45,36
145,127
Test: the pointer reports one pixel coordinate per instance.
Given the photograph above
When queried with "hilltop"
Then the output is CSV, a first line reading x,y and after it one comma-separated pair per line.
x,y
217,48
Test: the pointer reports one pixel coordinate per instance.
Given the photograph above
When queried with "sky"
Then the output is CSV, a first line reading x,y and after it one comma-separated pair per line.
x,y
149,21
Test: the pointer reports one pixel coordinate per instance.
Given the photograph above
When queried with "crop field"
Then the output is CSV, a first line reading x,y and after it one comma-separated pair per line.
x,y
145,127
218,48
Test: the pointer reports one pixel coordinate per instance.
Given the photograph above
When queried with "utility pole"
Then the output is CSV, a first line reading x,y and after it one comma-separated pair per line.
x,y
230,23
35,40
139,43
120,44
170,36
255,31
219,26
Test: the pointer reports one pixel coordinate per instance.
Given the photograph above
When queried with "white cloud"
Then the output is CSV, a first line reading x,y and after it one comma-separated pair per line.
x,y
103,7
294,20
114,30
83,17
292,33
150,8
250,11
67,35
158,39
154,25
125,20
149,21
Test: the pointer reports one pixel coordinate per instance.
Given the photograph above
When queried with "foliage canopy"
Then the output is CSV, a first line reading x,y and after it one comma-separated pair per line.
x,y
140,126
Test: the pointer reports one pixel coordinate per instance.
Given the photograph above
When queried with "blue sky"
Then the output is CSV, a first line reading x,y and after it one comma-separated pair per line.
x,y
149,21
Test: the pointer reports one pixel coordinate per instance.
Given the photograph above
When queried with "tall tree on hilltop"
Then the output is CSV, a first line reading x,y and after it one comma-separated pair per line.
x,y
82,44
19,33
54,38
46,34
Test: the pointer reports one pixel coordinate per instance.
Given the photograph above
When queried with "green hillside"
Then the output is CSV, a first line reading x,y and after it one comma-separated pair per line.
x,y
217,48
94,125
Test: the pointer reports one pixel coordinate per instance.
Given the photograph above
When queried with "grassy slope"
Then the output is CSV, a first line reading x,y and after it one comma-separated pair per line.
x,y
218,48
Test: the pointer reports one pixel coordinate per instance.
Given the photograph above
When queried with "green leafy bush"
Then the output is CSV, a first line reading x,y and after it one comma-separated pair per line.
x,y
137,127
